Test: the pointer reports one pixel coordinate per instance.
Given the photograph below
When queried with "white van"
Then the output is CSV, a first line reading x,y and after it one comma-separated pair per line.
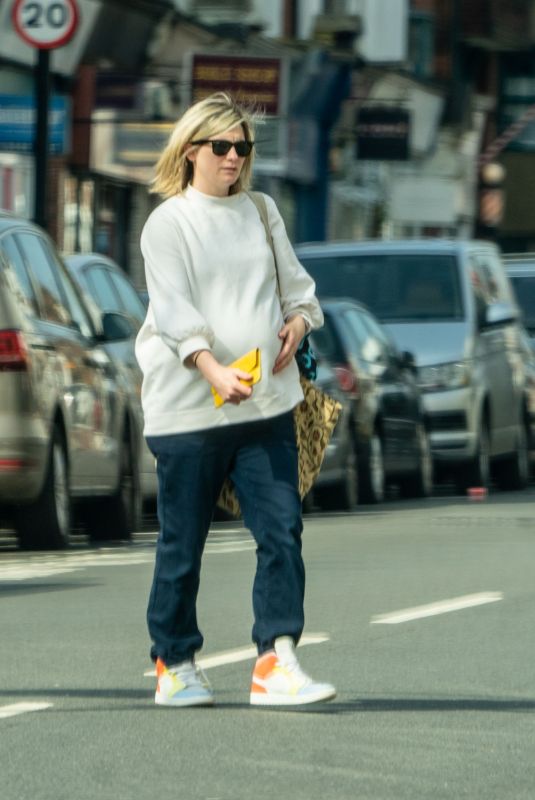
x,y
451,305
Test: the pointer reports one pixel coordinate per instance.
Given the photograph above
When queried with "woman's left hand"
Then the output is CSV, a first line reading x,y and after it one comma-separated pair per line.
x,y
291,334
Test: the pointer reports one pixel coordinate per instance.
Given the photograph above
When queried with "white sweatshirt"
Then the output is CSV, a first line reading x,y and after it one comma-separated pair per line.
x,y
212,285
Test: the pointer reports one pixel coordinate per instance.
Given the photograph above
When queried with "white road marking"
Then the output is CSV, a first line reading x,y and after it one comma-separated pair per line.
x,y
22,708
440,607
244,653
47,566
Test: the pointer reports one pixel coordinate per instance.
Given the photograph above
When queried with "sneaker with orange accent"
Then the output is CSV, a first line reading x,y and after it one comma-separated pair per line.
x,y
182,685
278,680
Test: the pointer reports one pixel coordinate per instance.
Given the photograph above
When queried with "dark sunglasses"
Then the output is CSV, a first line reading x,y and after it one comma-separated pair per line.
x,y
220,147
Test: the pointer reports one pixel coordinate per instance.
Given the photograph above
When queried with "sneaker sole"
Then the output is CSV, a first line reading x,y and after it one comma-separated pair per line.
x,y
261,699
183,702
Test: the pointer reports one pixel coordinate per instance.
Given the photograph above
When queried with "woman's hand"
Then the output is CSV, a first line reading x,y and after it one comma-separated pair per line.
x,y
227,381
291,334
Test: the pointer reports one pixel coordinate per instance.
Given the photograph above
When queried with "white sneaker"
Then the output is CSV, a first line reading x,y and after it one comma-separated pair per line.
x,y
278,680
182,685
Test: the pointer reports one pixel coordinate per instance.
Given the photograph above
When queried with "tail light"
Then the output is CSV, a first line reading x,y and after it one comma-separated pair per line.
x,y
347,380
13,352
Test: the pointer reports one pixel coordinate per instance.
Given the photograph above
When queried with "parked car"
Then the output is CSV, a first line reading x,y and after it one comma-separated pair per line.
x,y
451,304
68,430
336,486
521,271
110,289
388,429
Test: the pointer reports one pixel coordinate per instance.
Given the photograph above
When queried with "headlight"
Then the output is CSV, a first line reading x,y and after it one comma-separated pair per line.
x,y
439,377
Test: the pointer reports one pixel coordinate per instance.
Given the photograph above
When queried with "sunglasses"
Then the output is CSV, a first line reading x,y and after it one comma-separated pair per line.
x,y
220,147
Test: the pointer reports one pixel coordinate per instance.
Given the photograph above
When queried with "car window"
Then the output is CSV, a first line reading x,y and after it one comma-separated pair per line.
x,y
18,276
380,335
372,344
480,288
77,311
129,297
524,287
325,343
51,299
400,287
497,284
102,289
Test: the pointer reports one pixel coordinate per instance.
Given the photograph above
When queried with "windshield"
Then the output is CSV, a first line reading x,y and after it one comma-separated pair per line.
x,y
401,288
524,288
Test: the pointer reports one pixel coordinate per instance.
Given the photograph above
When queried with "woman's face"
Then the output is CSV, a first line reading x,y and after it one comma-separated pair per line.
x,y
216,174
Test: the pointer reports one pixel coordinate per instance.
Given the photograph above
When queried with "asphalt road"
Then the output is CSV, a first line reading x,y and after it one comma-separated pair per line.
x,y
435,702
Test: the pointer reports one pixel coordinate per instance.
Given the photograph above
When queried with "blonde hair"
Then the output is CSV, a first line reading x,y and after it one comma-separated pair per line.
x,y
210,117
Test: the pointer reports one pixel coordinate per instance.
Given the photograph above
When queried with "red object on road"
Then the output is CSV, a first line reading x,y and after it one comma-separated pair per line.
x,y
477,493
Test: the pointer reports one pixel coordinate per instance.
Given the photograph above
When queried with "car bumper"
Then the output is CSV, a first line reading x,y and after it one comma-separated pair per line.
x,y
453,419
22,470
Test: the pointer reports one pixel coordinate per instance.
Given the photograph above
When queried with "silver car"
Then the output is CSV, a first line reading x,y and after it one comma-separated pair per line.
x,y
110,289
69,435
521,271
449,303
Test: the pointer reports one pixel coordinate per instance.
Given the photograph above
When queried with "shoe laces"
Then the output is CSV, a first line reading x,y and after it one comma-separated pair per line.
x,y
189,672
293,666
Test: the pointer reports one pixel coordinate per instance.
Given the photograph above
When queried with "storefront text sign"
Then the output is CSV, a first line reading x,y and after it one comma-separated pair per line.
x,y
249,79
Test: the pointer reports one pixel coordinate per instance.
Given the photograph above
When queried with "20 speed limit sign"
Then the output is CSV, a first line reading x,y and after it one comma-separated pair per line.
x,y
45,23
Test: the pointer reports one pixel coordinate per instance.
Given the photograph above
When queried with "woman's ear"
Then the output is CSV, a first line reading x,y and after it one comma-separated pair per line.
x,y
191,153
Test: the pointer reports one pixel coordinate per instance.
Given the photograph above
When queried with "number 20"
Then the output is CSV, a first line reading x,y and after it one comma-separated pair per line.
x,y
55,15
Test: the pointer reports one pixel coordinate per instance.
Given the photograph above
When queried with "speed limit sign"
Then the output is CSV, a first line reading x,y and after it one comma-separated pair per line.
x,y
45,24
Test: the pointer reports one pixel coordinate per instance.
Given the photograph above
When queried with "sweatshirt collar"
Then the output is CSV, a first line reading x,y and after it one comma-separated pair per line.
x,y
212,200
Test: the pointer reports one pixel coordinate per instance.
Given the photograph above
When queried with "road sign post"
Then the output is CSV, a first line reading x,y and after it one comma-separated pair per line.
x,y
45,25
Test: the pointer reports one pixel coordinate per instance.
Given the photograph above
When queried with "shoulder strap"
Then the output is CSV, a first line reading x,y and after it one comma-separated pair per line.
x,y
258,199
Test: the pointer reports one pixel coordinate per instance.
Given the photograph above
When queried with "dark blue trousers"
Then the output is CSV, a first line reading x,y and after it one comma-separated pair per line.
x,y
261,459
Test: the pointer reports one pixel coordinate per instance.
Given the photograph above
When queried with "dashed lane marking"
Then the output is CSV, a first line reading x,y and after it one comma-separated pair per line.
x,y
244,653
15,709
440,607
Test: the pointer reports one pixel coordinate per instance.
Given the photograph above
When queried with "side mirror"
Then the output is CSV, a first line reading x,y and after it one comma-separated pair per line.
x,y
406,361
117,327
500,314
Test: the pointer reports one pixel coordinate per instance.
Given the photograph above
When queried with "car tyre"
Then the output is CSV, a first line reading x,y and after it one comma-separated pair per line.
x,y
420,483
118,516
342,496
372,472
46,523
477,472
514,471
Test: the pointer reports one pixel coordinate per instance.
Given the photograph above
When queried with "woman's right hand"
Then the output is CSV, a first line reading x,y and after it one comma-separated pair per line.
x,y
227,381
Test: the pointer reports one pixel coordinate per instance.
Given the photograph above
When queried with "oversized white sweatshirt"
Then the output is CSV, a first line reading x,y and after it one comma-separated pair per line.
x,y
212,285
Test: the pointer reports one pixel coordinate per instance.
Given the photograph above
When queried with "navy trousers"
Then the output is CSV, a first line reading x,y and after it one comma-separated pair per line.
x,y
261,459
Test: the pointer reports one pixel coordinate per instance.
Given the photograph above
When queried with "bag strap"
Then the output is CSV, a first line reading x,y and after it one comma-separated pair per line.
x,y
257,198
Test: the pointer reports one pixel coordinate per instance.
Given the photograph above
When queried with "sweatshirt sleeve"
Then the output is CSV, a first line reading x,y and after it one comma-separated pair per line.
x,y
180,325
297,288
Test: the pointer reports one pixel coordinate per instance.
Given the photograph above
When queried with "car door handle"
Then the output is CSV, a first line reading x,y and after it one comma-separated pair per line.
x,y
42,346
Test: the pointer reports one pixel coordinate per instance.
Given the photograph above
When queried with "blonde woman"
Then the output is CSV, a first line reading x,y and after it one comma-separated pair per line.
x,y
213,295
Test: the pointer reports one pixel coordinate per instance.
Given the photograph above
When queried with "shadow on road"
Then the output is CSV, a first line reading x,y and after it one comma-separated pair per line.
x,y
352,706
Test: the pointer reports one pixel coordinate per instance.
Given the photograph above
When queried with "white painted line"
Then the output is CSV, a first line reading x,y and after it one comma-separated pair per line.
x,y
22,708
223,549
440,607
244,653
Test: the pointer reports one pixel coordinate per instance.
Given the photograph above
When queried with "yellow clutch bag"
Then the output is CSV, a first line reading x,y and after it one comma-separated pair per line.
x,y
250,363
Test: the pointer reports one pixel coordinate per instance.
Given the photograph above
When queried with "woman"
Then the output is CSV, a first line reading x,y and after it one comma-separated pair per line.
x,y
212,284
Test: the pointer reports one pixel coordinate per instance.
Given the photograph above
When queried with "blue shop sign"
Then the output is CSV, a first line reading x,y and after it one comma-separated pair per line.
x,y
18,119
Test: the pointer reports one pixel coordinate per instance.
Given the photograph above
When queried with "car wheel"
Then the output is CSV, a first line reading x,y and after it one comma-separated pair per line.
x,y
477,471
420,483
513,472
118,516
46,523
372,472
342,496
